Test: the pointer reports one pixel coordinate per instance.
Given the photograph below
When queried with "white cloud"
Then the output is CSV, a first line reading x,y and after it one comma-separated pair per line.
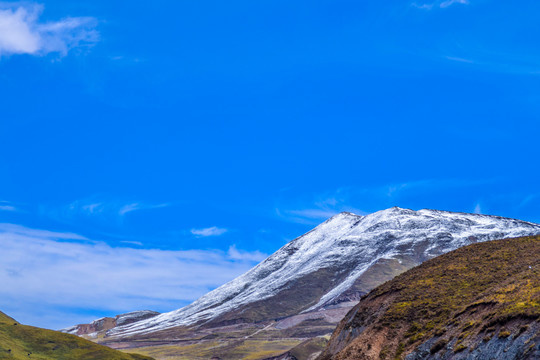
x,y
448,3
314,216
458,59
138,243
211,231
129,208
237,254
21,32
106,209
365,200
477,209
314,213
527,200
137,206
43,234
441,5
7,208
44,274
422,6
93,208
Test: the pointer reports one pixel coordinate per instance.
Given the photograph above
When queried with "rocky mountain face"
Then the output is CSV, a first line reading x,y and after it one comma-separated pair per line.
x,y
478,302
304,289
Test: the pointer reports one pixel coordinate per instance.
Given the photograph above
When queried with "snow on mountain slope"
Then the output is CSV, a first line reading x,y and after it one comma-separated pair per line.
x,y
344,241
106,323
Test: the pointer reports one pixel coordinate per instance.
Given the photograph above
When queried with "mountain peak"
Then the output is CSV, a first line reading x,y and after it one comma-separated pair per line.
x,y
343,215
395,210
392,211
327,263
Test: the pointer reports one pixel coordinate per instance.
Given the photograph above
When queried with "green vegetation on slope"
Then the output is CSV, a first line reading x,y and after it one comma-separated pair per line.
x,y
503,276
308,348
19,341
461,298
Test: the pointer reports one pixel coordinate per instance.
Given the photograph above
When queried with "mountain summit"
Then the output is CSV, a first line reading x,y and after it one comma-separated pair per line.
x,y
332,266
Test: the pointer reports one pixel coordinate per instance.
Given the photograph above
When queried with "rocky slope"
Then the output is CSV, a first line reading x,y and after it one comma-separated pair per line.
x,y
478,302
19,341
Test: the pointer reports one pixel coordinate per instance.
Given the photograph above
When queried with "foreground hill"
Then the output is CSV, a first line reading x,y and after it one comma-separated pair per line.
x,y
304,289
19,341
478,302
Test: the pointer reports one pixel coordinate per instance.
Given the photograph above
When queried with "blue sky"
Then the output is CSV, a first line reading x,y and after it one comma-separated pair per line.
x,y
142,141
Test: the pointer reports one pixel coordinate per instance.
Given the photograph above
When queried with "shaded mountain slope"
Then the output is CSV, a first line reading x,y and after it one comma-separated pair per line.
x,y
478,302
19,341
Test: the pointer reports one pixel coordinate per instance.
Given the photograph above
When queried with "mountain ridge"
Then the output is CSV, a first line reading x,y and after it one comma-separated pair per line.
x,y
374,236
306,287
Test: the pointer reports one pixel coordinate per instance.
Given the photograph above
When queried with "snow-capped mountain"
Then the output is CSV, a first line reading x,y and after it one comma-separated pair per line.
x,y
106,323
336,262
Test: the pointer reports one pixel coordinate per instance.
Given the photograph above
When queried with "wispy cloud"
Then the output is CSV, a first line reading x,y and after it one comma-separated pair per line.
x,y
93,208
237,254
21,32
477,209
528,200
448,3
439,4
137,206
138,243
7,208
504,61
129,208
314,211
96,207
43,273
363,200
422,6
459,59
211,231
23,231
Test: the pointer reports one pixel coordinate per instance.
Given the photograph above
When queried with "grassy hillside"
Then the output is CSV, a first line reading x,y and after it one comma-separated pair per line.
x,y
309,347
481,298
26,342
